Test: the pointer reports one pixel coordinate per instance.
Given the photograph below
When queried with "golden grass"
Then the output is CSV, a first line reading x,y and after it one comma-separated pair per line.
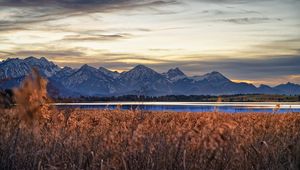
x,y
95,139
31,97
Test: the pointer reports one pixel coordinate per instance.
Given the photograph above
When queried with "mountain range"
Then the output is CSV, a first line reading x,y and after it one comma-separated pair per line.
x,y
141,80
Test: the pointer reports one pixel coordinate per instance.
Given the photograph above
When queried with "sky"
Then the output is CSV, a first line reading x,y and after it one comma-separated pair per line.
x,y
254,41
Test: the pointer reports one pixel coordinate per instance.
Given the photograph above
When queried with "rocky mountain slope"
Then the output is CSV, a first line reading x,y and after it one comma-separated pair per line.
x,y
141,80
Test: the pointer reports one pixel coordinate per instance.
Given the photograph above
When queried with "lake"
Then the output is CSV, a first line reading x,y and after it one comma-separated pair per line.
x,y
229,107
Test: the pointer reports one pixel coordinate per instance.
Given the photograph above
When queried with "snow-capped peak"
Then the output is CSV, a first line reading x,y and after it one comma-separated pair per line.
x,y
14,67
85,66
88,70
211,77
140,70
66,68
140,73
45,67
174,74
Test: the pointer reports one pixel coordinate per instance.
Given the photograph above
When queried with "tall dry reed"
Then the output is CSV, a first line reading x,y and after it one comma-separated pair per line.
x,y
31,97
94,139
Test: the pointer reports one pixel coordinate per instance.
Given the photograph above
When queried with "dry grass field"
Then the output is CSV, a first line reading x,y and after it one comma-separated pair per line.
x,y
94,139
34,135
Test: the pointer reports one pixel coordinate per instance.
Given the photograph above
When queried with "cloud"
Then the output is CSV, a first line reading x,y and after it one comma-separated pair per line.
x,y
111,37
165,50
268,69
6,53
195,28
24,18
287,46
251,68
250,20
48,53
23,13
87,5
133,59
230,1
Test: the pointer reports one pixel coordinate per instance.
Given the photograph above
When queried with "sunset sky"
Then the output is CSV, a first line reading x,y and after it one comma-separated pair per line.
x,y
256,41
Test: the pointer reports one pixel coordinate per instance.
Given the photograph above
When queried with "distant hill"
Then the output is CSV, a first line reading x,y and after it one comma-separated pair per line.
x,y
141,80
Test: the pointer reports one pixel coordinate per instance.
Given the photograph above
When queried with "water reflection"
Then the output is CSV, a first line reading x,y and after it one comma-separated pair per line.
x,y
189,106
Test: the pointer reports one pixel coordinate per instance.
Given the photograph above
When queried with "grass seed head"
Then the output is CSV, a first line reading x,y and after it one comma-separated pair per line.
x,y
31,97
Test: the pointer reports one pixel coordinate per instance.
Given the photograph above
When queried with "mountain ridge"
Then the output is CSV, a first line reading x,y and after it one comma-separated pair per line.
x,y
140,80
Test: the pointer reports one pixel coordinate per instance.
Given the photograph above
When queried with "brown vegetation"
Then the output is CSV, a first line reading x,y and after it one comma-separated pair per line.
x,y
82,139
31,97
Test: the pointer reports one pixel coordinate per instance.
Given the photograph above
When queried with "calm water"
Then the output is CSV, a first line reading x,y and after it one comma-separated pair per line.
x,y
231,107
